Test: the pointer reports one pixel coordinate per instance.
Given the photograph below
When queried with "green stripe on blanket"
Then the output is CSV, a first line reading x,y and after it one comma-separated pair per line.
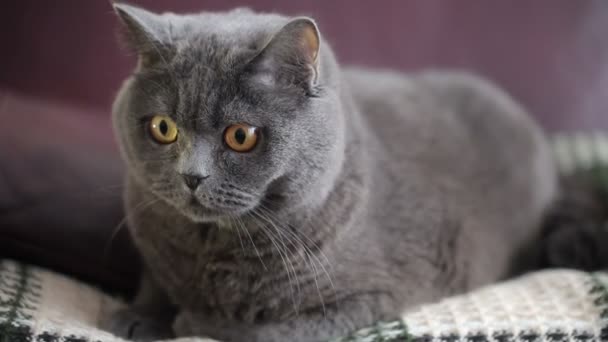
x,y
550,306
18,291
554,306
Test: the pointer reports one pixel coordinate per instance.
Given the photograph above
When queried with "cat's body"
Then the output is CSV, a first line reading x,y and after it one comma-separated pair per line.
x,y
397,190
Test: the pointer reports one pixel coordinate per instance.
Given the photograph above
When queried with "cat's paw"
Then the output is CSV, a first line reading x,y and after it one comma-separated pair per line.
x,y
214,329
136,327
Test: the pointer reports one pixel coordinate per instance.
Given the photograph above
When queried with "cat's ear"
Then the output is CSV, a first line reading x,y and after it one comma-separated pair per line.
x,y
292,55
144,32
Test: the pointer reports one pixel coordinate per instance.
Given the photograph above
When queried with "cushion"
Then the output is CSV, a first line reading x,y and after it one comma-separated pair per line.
x,y
60,192
556,305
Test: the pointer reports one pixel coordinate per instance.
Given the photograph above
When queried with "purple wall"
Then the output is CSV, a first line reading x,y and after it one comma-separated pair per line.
x,y
550,54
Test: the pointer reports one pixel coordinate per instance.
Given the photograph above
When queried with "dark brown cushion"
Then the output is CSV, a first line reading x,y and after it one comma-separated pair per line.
x,y
60,192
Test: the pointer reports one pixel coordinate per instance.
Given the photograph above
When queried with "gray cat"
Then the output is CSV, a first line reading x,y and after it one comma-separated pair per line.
x,y
276,196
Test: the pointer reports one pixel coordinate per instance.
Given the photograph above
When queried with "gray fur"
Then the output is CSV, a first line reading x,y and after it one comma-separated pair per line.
x,y
369,193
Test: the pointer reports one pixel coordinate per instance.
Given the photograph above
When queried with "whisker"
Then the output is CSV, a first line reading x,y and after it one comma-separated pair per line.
x,y
310,254
294,232
233,220
254,246
285,258
139,207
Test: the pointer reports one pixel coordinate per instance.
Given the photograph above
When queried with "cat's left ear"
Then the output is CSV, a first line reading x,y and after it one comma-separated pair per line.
x,y
145,32
292,55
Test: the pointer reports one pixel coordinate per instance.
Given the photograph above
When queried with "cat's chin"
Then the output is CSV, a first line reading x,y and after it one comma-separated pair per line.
x,y
199,213
204,215
205,218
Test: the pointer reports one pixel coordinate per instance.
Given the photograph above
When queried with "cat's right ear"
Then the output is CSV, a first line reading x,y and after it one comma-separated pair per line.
x,y
144,32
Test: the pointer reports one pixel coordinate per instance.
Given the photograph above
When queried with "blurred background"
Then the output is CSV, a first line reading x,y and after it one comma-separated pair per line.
x,y
550,54
60,176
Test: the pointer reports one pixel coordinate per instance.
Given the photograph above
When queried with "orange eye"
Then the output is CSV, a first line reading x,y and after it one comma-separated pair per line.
x,y
241,137
163,129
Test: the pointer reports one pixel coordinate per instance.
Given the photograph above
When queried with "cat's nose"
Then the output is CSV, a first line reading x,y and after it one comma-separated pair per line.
x,y
192,181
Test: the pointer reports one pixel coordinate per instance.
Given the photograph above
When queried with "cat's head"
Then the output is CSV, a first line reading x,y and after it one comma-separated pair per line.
x,y
229,112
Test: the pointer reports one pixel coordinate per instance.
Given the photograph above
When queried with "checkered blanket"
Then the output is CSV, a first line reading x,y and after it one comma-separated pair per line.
x,y
547,306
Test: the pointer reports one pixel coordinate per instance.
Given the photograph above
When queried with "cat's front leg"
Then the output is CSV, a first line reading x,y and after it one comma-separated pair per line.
x,y
149,318
313,326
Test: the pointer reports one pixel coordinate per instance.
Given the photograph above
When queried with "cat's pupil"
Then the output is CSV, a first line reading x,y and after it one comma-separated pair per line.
x,y
240,135
163,127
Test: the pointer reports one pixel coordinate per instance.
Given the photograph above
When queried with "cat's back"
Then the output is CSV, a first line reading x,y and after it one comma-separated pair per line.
x,y
454,141
451,121
452,124
457,105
